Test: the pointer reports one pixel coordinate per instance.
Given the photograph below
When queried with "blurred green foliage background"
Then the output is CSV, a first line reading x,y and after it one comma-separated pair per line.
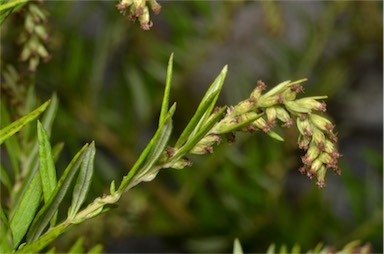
x,y
109,76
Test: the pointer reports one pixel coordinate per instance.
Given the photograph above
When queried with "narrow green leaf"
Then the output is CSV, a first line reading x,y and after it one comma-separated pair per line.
x,y
164,105
12,4
77,246
143,156
4,179
26,210
8,8
204,109
237,247
47,166
96,249
198,136
83,181
44,240
50,114
11,144
16,126
6,242
157,150
49,209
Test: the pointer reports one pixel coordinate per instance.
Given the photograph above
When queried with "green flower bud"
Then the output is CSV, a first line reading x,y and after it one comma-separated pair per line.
x,y
269,101
304,126
311,103
25,53
261,124
40,31
258,90
182,163
144,20
312,153
303,142
271,114
283,116
296,108
320,175
154,6
318,137
321,122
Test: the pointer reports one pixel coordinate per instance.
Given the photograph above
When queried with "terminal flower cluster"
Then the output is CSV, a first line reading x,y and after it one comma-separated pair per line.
x,y
138,10
279,105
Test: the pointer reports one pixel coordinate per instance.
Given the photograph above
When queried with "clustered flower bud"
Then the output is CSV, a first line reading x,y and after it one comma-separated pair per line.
x,y
264,111
138,10
34,35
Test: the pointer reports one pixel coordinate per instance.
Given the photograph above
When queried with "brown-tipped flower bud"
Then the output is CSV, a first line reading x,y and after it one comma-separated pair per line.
x,y
262,125
305,127
322,123
303,142
269,101
318,137
260,87
123,5
182,163
312,103
144,20
312,153
320,175
154,6
271,114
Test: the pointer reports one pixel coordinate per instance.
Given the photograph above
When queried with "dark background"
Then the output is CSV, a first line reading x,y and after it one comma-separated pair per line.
x,y
109,76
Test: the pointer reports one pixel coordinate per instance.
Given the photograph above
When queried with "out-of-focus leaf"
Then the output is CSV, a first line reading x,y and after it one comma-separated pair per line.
x,y
26,209
77,247
49,209
50,114
6,245
83,181
204,109
237,247
4,179
96,249
7,8
16,126
11,144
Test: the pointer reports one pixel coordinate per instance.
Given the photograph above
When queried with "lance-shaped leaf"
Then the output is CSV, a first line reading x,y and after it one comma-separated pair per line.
x,y
199,135
148,151
83,181
47,166
49,209
26,209
204,109
6,242
11,144
20,123
164,105
158,148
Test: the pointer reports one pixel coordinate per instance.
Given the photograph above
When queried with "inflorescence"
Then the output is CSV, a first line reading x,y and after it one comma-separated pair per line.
x,y
279,105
